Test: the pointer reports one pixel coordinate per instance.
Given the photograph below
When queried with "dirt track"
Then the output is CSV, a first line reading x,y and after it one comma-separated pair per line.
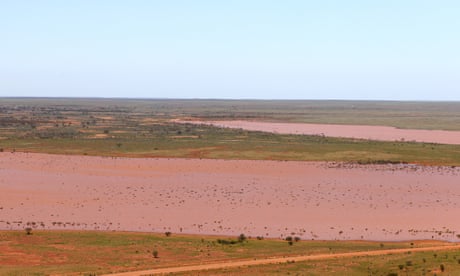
x,y
281,260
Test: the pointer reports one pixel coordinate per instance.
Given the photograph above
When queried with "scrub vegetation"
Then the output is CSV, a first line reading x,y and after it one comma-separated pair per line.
x,y
91,252
145,128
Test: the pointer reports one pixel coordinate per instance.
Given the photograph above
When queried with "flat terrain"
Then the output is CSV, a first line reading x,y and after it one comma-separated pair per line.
x,y
226,197
98,167
282,260
411,115
376,133
146,128
99,252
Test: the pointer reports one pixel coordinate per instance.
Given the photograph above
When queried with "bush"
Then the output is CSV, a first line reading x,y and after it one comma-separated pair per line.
x,y
222,241
401,266
408,263
288,238
241,238
297,239
168,234
28,231
155,254
442,267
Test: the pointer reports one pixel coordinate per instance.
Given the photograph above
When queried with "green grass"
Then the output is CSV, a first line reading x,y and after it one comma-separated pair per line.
x,y
419,115
142,128
216,143
418,263
49,252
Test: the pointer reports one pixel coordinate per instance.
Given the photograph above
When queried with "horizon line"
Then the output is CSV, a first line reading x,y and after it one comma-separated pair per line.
x,y
223,99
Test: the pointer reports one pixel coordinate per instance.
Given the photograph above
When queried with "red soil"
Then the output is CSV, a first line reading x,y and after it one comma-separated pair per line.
x,y
379,133
269,198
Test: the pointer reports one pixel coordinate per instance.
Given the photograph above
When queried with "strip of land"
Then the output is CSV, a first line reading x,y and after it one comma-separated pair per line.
x,y
280,260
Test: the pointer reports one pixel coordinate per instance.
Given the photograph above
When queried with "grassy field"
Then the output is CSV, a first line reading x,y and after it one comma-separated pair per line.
x,y
417,263
416,115
58,252
142,128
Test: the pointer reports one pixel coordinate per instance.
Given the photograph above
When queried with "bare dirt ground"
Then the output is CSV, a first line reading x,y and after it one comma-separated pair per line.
x,y
378,133
280,260
266,198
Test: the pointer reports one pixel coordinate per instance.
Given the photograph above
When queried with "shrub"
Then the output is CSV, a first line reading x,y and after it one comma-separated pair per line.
x,y
441,266
241,238
168,234
401,266
28,231
155,254
222,241
297,239
289,238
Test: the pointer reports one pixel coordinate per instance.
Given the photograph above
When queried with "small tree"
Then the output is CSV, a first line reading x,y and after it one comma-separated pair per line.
x,y
28,231
155,253
241,238
168,234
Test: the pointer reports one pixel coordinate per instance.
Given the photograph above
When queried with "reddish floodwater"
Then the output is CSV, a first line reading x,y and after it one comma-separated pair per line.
x,y
380,133
269,198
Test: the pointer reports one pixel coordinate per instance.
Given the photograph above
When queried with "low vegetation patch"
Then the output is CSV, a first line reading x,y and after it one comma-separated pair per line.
x,y
65,252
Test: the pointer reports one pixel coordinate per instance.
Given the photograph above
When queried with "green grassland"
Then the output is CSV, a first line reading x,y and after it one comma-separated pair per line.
x,y
211,142
416,115
142,128
88,252
416,263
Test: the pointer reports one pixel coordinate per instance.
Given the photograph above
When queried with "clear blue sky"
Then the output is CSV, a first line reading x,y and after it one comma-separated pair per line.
x,y
392,49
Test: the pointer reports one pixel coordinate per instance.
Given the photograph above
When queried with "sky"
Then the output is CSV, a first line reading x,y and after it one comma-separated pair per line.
x,y
248,49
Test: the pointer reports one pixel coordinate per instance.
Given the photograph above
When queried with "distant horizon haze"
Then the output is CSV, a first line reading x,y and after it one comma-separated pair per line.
x,y
222,99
